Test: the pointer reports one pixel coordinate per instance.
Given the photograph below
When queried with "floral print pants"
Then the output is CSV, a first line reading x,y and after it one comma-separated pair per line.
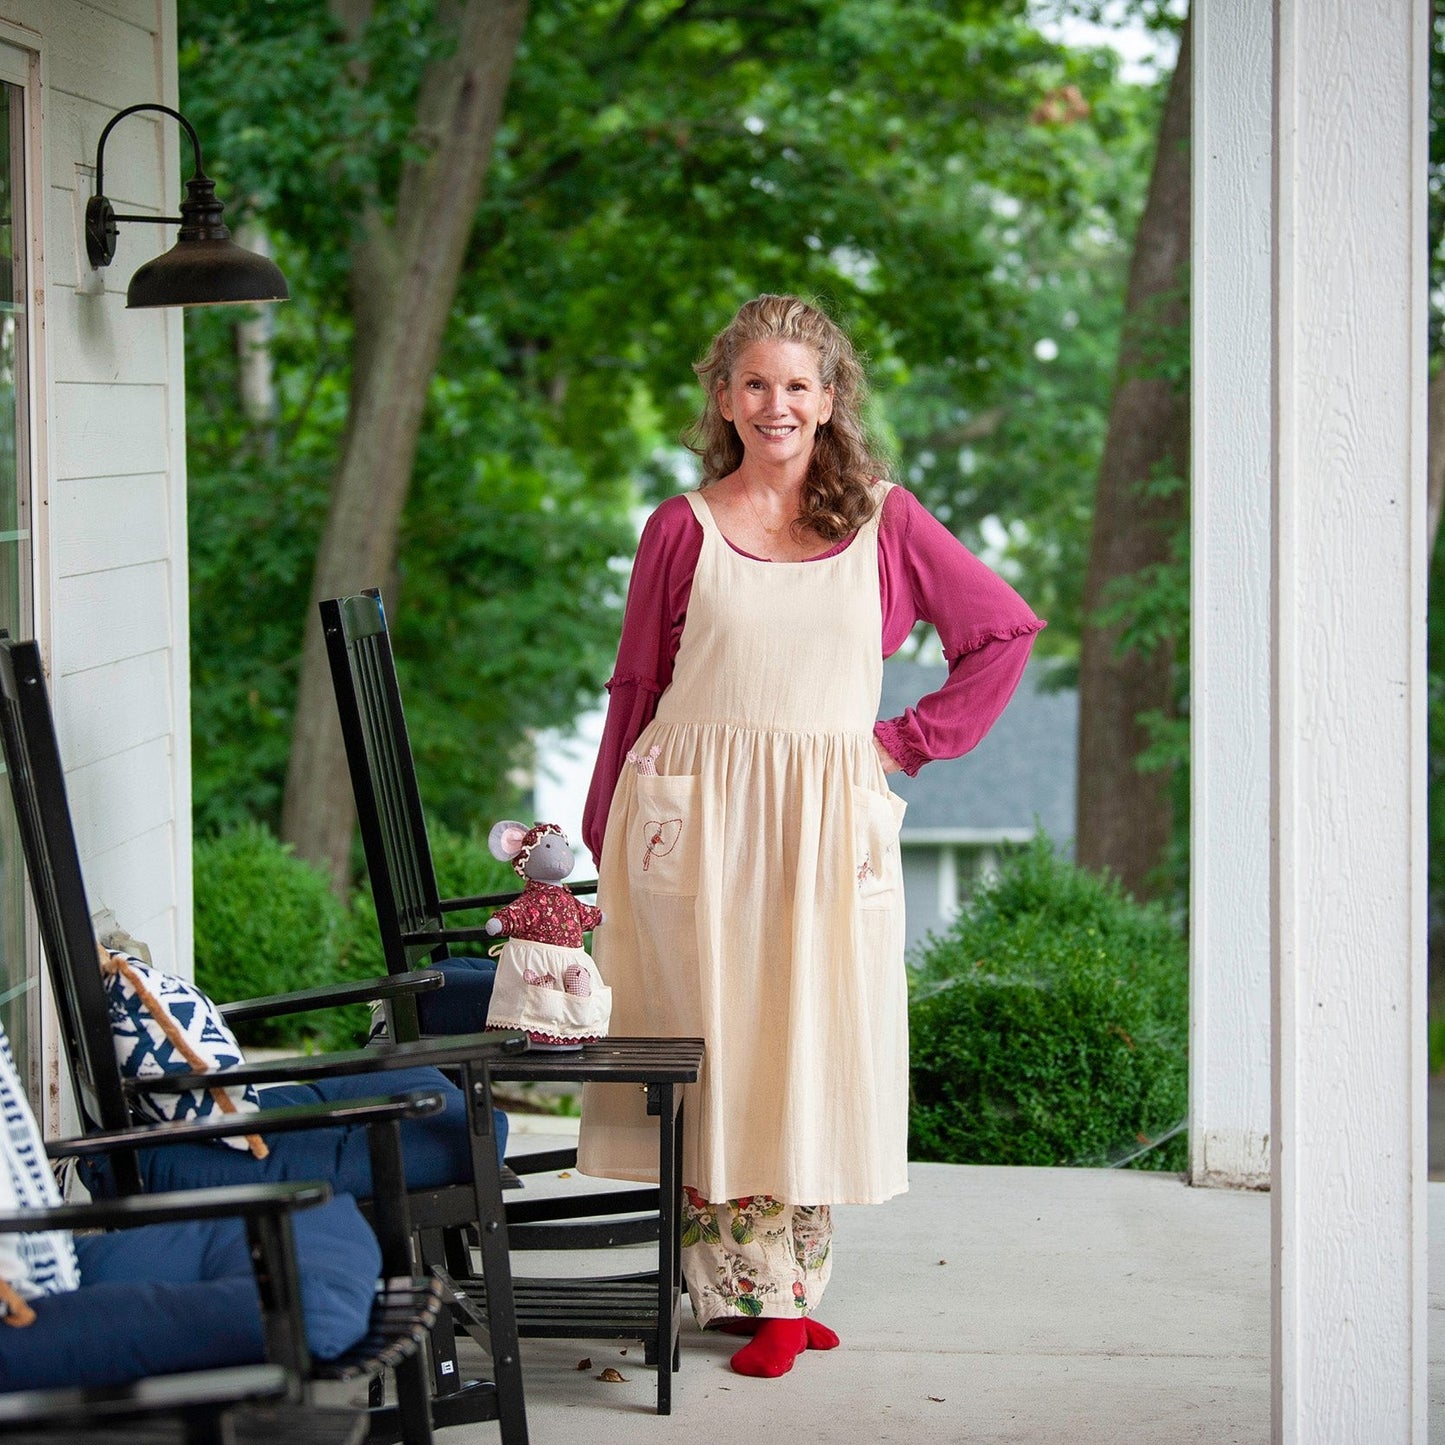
x,y
755,1257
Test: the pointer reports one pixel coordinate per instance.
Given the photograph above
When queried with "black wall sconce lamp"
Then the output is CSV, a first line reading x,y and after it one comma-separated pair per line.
x,y
205,267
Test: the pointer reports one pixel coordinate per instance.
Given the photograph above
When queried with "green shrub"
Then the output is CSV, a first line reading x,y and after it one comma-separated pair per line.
x,y
1050,1025
266,922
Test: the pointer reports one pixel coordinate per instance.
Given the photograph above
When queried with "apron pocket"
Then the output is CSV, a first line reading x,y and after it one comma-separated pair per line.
x,y
877,867
662,841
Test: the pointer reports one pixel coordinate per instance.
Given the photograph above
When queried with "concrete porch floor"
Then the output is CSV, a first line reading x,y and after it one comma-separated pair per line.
x,y
986,1304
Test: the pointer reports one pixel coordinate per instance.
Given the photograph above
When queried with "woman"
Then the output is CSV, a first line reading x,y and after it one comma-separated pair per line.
x,y
747,838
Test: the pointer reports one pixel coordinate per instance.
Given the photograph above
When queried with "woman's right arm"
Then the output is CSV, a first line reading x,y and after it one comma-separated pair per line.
x,y
652,623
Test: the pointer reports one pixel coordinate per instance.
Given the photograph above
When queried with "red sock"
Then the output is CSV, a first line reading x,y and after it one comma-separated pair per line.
x,y
773,1349
819,1336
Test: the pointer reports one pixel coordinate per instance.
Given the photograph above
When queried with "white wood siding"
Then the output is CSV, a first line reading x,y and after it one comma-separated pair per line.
x,y
110,555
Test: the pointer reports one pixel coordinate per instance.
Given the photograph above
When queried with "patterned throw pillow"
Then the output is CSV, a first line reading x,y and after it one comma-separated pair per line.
x,y
163,1025
31,1265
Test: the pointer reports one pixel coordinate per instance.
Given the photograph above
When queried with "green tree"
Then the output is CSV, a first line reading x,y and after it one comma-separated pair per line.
x,y
655,164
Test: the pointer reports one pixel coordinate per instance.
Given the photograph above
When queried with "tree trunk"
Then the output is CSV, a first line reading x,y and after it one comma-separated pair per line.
x,y
404,281
1124,815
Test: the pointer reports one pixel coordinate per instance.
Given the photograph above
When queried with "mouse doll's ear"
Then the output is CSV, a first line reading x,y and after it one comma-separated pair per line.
x,y
505,839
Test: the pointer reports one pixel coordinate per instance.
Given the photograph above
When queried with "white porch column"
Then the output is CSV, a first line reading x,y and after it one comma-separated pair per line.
x,y
1229,1094
1348,745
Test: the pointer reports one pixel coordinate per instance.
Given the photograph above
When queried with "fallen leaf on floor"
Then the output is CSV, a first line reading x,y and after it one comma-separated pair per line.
x,y
938,1399
585,1364
622,1352
565,1174
943,1261
613,1377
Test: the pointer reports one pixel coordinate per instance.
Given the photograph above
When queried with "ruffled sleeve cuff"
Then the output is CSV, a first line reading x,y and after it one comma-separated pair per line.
x,y
896,743
953,720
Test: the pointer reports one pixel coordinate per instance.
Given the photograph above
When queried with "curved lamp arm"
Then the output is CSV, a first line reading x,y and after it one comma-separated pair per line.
x,y
100,216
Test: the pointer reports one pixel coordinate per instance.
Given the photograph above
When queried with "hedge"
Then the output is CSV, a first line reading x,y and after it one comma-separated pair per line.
x,y
1049,1025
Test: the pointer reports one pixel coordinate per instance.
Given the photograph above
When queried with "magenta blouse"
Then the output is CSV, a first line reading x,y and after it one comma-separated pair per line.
x,y
925,574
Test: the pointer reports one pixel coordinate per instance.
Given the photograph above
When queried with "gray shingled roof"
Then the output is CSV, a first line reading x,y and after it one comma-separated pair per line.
x,y
1021,775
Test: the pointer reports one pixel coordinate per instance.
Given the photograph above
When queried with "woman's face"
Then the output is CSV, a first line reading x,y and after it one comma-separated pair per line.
x,y
776,400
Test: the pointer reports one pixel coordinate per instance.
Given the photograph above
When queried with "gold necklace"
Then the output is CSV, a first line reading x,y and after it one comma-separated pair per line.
x,y
771,531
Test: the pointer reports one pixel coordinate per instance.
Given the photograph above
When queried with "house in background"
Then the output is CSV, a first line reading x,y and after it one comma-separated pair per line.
x,y
961,812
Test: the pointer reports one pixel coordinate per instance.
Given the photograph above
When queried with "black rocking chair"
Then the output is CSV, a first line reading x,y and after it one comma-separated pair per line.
x,y
205,1406
441,1218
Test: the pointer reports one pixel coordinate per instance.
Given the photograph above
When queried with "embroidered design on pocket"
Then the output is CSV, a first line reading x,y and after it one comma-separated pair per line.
x,y
662,835
865,870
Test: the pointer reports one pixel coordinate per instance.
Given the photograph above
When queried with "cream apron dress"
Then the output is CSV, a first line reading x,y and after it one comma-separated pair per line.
x,y
753,891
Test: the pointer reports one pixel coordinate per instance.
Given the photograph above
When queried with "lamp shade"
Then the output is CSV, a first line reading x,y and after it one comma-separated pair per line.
x,y
205,267
206,273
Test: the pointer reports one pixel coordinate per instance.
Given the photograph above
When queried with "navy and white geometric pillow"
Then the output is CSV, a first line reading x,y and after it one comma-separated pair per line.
x,y
31,1265
163,1025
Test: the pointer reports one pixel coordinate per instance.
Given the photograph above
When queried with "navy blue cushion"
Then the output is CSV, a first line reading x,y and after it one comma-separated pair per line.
x,y
174,1297
435,1151
460,1005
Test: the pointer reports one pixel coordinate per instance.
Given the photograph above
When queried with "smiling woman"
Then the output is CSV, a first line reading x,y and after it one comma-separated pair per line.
x,y
781,433
747,835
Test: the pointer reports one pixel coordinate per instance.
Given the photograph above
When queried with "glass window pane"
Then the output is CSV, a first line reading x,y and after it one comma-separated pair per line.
x,y
18,995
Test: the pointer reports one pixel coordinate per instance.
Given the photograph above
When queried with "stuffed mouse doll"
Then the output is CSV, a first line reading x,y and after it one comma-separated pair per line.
x,y
546,983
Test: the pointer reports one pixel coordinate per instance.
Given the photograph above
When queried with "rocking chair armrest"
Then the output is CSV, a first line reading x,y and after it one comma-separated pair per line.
x,y
205,1392
493,1046
500,900
415,1104
360,990
245,1201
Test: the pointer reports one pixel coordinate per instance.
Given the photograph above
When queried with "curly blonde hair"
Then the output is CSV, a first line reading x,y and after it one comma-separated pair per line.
x,y
838,495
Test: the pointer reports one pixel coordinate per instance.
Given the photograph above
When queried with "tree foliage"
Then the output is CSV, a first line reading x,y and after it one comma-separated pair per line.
x,y
923,168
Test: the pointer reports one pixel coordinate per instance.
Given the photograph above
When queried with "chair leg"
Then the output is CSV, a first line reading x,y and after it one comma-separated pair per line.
x,y
392,1218
442,1342
207,1427
412,1402
496,1260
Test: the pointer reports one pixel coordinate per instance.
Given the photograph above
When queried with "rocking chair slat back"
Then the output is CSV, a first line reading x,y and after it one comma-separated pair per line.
x,y
383,776
32,757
